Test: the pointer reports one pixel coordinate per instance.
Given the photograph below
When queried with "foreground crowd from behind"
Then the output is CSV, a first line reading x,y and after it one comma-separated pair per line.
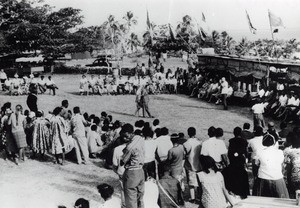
x,y
153,164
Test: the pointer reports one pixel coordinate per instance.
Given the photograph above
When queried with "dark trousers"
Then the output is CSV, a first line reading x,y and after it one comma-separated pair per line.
x,y
224,98
2,84
150,170
133,181
52,87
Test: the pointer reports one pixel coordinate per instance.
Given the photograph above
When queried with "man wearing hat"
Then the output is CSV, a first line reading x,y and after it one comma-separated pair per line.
x,y
133,160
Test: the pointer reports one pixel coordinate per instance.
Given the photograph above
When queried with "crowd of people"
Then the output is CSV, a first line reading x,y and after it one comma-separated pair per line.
x,y
149,159
21,86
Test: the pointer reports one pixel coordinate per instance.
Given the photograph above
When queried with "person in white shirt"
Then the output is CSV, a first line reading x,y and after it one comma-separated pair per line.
x,y
100,85
258,110
255,144
3,77
150,148
291,109
224,92
215,148
269,182
15,85
106,191
83,85
50,84
92,83
164,144
42,84
192,165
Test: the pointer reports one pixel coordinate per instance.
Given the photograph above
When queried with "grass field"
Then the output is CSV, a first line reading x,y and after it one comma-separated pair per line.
x,y
44,184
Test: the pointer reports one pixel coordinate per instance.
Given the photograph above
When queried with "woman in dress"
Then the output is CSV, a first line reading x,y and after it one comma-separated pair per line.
x,y
58,135
16,120
269,182
8,140
214,193
41,142
292,163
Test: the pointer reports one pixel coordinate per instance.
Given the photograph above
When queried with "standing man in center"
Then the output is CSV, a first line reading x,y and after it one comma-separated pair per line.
x,y
78,133
133,160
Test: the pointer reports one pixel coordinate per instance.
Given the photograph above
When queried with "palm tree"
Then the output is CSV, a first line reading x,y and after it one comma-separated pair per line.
x,y
113,29
186,26
243,47
130,21
133,42
147,36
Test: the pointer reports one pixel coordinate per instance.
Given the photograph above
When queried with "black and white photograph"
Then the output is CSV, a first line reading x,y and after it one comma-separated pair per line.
x,y
149,103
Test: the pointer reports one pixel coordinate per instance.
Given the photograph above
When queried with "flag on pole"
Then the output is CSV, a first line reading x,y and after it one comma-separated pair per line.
x,y
252,29
275,21
203,17
172,36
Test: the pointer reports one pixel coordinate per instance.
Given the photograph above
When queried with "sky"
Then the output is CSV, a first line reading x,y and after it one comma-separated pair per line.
x,y
220,15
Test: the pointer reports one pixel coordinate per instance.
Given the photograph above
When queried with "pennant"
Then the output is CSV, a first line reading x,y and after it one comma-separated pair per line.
x,y
203,33
275,31
201,37
203,17
275,21
148,22
252,29
172,36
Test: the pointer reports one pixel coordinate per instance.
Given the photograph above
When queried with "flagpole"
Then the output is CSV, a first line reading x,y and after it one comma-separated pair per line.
x,y
272,33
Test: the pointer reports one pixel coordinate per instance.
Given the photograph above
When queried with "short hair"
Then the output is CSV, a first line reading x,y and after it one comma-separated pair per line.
x,y
105,190
94,127
258,131
103,114
147,124
26,112
164,131
104,128
158,132
64,102
137,132
97,120
76,109
207,163
246,126
237,131
139,124
92,116
57,111
127,128
211,131
147,132
83,203
191,131
110,118
117,124
219,132
156,122
268,140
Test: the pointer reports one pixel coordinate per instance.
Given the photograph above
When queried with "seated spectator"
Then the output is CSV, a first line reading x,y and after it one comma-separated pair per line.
x,y
246,133
82,203
106,191
50,84
214,192
170,192
94,142
42,85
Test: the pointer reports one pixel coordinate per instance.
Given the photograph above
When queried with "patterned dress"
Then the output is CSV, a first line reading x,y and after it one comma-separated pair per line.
x,y
292,169
212,184
41,136
58,134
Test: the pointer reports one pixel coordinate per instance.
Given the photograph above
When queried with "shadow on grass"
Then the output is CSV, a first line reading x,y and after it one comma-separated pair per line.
x,y
123,114
200,107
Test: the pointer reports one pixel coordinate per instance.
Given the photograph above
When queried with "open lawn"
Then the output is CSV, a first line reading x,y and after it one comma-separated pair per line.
x,y
44,184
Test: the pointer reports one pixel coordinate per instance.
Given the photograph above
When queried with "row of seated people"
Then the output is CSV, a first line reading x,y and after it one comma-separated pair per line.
x,y
125,85
20,86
